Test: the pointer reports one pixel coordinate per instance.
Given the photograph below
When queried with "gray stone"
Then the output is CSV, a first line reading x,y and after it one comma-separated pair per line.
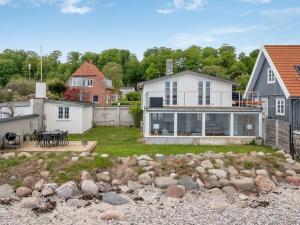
x,y
144,157
35,193
224,182
200,183
200,169
264,184
145,178
134,185
220,162
84,175
88,187
187,182
53,186
6,190
30,203
39,185
9,155
104,176
206,164
290,173
262,172
143,163
47,191
29,181
218,200
164,182
231,193
290,161
150,193
248,173
114,199
103,186
67,190
218,172
45,174
232,171
243,183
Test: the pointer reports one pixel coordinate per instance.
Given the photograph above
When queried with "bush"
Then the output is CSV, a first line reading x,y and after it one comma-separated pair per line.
x,y
136,113
6,96
133,96
125,103
22,87
56,86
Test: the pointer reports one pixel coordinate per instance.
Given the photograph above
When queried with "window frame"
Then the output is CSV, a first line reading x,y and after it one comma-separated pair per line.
x,y
63,113
174,97
90,82
271,74
97,98
280,107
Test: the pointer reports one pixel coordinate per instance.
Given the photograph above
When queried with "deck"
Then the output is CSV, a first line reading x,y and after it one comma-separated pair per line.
x,y
73,146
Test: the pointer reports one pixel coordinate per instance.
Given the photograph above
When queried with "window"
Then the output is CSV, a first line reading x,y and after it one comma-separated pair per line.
x,y
246,125
174,94
271,76
200,92
167,92
90,82
63,112
189,124
162,124
280,106
297,67
217,124
207,93
95,99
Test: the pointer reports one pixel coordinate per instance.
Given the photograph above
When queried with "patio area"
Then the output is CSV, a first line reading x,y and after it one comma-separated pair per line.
x,y
73,146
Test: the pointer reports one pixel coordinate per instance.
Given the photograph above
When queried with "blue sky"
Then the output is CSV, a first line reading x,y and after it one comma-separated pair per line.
x,y
95,25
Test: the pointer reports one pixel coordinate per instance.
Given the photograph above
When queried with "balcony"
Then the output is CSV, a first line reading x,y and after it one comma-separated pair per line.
x,y
194,99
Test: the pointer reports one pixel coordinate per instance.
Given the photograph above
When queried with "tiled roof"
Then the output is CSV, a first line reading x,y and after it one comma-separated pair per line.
x,y
88,69
285,57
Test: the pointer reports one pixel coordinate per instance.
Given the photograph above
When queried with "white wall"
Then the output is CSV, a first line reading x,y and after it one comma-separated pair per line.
x,y
87,119
112,116
74,124
18,111
221,92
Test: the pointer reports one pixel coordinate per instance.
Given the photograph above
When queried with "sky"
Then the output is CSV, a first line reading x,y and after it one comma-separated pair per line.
x,y
96,25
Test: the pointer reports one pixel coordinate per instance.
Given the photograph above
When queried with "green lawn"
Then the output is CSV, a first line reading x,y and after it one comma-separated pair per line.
x,y
123,141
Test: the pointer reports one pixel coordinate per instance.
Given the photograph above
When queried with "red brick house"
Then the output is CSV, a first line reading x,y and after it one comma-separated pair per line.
x,y
89,84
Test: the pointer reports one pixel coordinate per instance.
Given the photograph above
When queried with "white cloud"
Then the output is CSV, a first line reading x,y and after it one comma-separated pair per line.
x,y
4,2
109,5
257,1
284,11
74,7
186,39
189,5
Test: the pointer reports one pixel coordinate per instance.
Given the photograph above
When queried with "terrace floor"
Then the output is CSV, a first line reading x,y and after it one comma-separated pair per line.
x,y
73,146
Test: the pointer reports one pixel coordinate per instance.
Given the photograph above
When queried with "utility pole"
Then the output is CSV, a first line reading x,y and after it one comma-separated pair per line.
x,y
29,68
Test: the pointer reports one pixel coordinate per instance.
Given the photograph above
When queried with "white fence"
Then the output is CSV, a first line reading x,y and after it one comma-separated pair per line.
x,y
112,116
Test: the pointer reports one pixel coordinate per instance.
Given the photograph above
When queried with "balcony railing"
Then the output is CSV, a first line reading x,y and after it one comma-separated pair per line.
x,y
214,99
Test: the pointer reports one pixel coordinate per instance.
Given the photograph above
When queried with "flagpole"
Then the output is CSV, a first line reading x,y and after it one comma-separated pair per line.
x,y
41,63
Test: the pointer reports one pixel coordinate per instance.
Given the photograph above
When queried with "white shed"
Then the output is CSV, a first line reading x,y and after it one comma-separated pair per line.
x,y
74,117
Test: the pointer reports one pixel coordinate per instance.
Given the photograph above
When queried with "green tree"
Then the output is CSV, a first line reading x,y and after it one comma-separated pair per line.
x,y
242,80
152,72
8,69
213,70
194,58
56,86
237,69
113,71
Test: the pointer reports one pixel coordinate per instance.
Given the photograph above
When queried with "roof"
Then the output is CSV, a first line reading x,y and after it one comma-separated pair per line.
x,y
88,69
15,104
69,102
284,58
18,118
189,72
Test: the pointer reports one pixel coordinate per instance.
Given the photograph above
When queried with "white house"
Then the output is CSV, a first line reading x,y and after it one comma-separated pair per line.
x,y
74,117
194,108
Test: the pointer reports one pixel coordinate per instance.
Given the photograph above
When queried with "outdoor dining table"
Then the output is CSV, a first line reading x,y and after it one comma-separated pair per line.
x,y
52,138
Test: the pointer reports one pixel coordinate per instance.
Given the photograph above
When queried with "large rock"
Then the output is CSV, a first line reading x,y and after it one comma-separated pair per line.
x,y
45,174
295,167
23,192
39,185
164,182
134,185
104,176
144,157
145,178
175,191
85,176
29,182
262,172
294,180
103,186
248,173
67,190
6,190
187,182
114,198
30,203
217,200
264,184
129,175
206,164
143,163
113,215
47,191
9,155
200,169
150,193
88,187
232,171
243,183
53,186
218,172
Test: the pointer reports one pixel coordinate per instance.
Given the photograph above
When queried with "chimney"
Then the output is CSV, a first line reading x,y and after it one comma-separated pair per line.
x,y
40,90
169,67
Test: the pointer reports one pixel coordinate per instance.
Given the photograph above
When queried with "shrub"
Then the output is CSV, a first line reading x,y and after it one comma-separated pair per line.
x,y
125,103
133,96
21,86
136,113
56,86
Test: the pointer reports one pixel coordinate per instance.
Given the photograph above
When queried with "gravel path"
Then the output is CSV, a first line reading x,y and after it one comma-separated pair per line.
x,y
194,208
